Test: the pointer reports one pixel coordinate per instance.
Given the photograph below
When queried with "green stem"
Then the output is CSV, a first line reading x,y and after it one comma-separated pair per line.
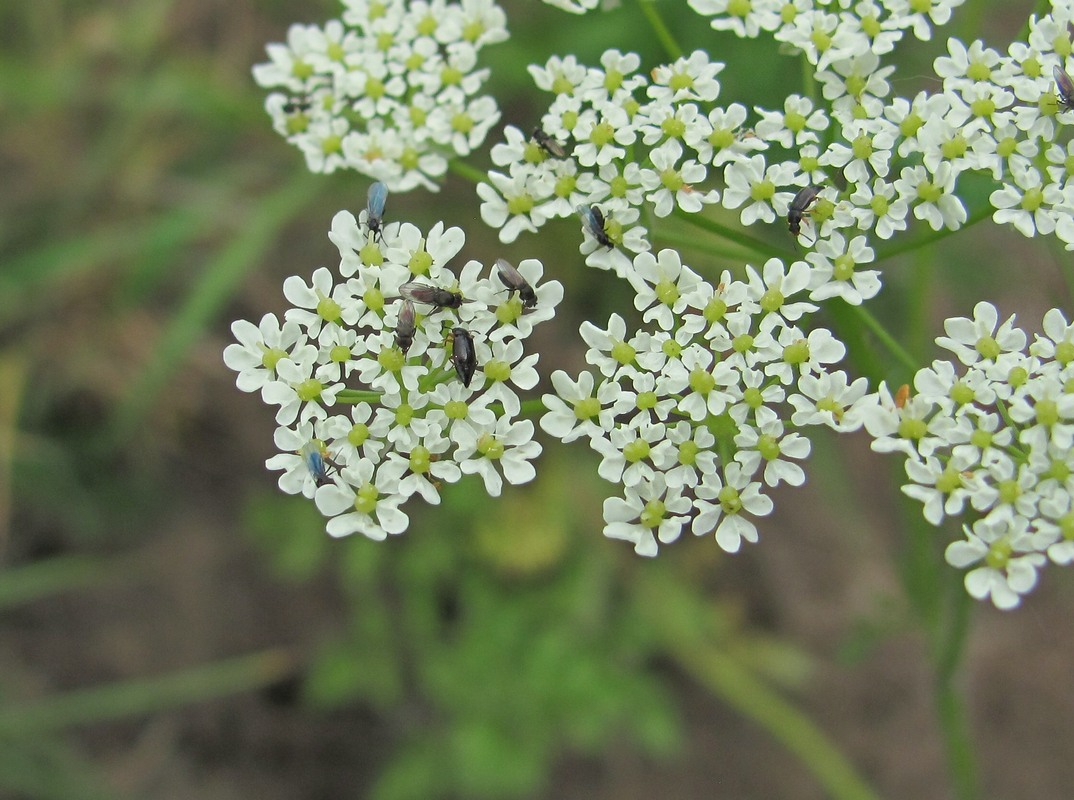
x,y
707,247
140,697
464,170
943,607
358,396
660,28
809,81
885,337
785,723
980,214
757,246
57,575
949,647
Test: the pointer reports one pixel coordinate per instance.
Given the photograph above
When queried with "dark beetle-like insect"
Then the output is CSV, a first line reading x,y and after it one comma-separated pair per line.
x,y
593,222
513,280
800,207
431,295
463,355
404,328
295,105
548,144
374,210
1064,87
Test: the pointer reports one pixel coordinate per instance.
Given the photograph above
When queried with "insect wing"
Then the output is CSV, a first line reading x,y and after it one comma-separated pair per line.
x,y
377,198
513,280
419,293
431,295
1065,86
463,355
313,456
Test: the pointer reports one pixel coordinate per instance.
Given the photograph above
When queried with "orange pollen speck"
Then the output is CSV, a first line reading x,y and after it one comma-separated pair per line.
x,y
902,395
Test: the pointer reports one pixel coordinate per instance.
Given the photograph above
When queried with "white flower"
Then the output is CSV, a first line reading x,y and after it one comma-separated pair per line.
x,y
366,503
648,512
508,443
723,504
664,287
1004,576
748,179
575,411
260,348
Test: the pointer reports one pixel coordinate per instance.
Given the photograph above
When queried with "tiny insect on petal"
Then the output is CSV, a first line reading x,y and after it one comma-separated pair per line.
x,y
431,295
375,202
1064,87
404,328
463,355
513,280
593,223
548,144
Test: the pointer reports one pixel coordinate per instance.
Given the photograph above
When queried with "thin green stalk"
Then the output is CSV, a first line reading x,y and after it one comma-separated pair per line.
x,y
140,697
735,253
809,81
758,246
943,608
57,575
735,685
982,213
358,396
885,337
660,28
464,170
948,649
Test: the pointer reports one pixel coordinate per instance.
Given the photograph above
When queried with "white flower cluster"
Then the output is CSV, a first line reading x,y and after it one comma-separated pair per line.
x,y
430,363
391,90
992,442
699,418
632,146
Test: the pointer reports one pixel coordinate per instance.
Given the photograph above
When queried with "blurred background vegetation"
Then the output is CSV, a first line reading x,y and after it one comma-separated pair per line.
x,y
172,626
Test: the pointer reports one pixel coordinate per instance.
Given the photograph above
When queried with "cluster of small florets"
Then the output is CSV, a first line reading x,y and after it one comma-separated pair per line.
x,y
991,442
376,401
390,90
626,144
699,418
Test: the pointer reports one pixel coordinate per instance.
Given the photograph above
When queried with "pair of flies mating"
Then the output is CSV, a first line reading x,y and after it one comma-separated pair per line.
x,y
805,198
463,354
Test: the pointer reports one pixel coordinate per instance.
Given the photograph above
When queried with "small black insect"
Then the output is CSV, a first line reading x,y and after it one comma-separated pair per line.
x,y
404,328
1064,88
374,210
431,295
551,146
296,105
463,355
593,223
513,280
800,208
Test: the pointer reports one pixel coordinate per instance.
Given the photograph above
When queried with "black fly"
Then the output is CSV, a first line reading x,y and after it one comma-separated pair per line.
x,y
431,295
548,144
463,355
513,280
404,328
800,208
1064,87
593,223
